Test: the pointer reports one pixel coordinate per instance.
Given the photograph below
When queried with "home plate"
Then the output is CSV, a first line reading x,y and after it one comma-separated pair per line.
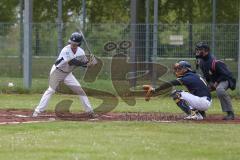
x,y
22,116
162,121
106,116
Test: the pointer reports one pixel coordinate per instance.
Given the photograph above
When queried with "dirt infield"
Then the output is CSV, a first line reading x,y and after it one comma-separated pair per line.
x,y
17,116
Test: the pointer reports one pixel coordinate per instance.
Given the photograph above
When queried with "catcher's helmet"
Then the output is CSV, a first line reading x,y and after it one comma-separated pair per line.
x,y
181,67
184,64
76,38
202,45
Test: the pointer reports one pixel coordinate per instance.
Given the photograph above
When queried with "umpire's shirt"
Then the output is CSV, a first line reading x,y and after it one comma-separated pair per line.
x,y
221,72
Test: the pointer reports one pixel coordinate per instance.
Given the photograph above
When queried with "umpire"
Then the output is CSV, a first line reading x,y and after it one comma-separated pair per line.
x,y
217,75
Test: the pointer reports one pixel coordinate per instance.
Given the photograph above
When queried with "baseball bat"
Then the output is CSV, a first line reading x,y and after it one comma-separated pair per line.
x,y
84,39
92,57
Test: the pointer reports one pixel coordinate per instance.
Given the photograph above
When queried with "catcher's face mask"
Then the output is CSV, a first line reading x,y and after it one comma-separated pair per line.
x,y
201,49
178,70
200,53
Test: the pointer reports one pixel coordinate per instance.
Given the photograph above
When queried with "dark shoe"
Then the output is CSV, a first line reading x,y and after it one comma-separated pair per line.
x,y
203,113
229,116
92,115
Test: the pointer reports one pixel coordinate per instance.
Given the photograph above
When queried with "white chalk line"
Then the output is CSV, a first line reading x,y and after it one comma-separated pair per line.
x,y
28,122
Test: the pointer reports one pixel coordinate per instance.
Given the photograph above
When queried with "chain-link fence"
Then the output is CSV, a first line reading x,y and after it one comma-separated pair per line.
x,y
173,41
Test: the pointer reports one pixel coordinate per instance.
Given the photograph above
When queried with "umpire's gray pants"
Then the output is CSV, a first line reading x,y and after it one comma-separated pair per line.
x,y
223,96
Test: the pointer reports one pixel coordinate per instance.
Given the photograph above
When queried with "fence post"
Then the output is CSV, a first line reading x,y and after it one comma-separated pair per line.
x,y
133,39
59,24
213,25
27,57
147,32
238,81
155,43
21,34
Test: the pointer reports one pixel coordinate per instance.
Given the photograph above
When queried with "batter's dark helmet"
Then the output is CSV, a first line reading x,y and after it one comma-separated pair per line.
x,y
76,38
202,45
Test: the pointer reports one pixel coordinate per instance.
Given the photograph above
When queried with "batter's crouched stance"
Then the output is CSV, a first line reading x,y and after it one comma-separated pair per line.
x,y
195,102
71,56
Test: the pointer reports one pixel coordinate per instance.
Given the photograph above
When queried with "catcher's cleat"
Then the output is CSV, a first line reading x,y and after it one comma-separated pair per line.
x,y
195,115
203,113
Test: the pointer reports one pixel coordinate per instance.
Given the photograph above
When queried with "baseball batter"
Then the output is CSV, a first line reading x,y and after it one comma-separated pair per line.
x,y
71,56
195,102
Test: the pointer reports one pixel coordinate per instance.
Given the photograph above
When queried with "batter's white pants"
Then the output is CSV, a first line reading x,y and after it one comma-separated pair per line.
x,y
195,102
69,79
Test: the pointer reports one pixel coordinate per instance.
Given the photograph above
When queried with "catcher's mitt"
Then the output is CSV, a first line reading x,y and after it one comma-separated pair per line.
x,y
149,91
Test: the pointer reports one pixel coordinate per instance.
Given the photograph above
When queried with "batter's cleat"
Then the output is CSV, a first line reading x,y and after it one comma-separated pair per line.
x,y
195,115
92,115
35,114
229,116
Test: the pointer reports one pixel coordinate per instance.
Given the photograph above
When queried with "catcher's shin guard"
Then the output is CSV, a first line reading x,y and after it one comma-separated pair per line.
x,y
184,106
181,103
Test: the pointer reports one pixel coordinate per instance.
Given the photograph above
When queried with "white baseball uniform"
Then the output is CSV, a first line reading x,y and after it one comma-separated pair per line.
x,y
62,71
196,102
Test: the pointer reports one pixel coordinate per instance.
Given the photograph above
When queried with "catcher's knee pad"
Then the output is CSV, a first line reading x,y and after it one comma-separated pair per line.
x,y
176,95
184,106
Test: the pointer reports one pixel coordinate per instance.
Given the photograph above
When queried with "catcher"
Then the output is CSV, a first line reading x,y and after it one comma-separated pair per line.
x,y
71,57
195,102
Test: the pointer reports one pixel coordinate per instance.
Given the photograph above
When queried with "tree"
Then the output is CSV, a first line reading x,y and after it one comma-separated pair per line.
x,y
8,10
8,14
46,10
102,11
227,11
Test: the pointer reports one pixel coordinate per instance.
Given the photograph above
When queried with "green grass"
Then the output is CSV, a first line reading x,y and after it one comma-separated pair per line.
x,y
68,140
10,71
160,104
119,140
39,85
63,140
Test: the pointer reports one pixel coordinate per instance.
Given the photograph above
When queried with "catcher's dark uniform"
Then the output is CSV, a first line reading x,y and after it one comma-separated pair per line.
x,y
194,102
198,95
195,84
